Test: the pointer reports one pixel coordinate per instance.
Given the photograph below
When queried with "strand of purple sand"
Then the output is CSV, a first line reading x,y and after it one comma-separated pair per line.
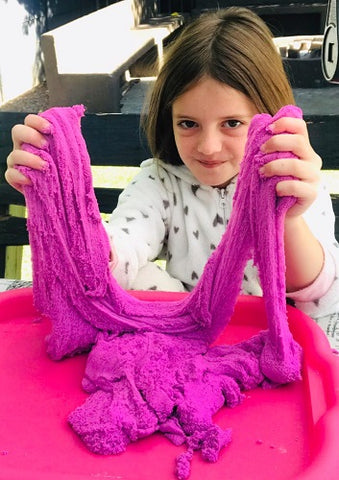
x,y
151,367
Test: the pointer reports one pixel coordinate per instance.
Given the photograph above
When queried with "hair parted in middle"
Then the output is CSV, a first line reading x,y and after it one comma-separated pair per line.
x,y
233,46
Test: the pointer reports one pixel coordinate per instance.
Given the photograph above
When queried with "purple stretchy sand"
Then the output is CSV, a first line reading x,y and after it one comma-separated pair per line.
x,y
151,367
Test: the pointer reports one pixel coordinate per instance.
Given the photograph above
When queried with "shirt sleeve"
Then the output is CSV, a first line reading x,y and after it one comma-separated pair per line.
x,y
321,298
137,227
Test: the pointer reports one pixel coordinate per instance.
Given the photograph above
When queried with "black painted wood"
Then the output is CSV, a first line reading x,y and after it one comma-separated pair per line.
x,y
111,138
115,140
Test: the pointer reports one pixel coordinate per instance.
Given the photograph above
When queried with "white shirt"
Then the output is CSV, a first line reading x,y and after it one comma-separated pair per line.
x,y
165,213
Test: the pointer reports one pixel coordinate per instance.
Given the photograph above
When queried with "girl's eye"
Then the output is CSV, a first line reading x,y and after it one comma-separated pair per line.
x,y
232,123
187,124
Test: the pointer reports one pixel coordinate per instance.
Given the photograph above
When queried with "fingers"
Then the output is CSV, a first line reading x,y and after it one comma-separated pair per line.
x,y
304,189
303,170
32,132
27,159
287,142
38,123
289,125
295,143
26,134
16,179
304,193
20,157
301,190
290,135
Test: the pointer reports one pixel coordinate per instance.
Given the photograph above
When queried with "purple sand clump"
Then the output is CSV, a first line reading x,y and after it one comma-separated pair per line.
x,y
151,367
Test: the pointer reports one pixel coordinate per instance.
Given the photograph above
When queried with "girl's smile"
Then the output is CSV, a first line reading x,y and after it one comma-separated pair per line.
x,y
210,124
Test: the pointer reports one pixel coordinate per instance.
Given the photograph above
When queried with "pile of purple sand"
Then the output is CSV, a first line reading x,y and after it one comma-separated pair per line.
x,y
151,367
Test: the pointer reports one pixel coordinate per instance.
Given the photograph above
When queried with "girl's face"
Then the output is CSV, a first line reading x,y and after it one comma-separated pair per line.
x,y
210,124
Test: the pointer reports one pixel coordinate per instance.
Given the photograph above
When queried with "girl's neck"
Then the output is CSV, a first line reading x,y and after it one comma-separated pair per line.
x,y
226,184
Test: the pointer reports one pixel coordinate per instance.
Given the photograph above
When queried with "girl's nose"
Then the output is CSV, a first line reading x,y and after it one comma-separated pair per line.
x,y
209,142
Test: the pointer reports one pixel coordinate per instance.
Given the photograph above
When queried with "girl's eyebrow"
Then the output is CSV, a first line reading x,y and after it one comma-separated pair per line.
x,y
181,116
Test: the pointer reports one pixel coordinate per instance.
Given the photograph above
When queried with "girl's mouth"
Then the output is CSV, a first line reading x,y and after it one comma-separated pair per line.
x,y
211,164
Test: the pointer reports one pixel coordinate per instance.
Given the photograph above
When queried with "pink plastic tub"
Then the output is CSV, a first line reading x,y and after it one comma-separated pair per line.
x,y
291,432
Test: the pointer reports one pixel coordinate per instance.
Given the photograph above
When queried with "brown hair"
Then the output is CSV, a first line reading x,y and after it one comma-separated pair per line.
x,y
233,46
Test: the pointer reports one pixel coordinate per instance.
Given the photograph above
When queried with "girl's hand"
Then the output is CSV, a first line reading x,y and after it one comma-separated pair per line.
x,y
31,132
304,255
290,134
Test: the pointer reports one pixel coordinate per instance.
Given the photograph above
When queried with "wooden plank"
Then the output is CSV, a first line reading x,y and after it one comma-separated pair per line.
x,y
323,131
13,262
10,196
107,199
7,121
2,261
112,139
115,139
14,253
335,203
13,231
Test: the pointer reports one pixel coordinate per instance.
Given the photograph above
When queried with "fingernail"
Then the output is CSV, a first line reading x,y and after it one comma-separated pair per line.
x,y
44,143
262,171
271,128
43,165
263,148
46,129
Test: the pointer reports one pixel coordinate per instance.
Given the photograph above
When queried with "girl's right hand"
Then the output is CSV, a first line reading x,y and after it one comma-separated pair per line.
x,y
31,132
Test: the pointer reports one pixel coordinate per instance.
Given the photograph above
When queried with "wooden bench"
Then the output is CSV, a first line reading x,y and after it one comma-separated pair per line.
x,y
86,59
114,140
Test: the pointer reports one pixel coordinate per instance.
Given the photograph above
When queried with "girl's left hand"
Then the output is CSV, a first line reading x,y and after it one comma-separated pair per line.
x,y
290,135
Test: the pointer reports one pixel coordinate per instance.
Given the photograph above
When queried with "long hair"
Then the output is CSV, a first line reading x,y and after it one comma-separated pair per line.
x,y
233,46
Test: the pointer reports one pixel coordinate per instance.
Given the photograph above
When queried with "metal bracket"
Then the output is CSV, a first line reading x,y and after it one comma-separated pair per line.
x,y
329,55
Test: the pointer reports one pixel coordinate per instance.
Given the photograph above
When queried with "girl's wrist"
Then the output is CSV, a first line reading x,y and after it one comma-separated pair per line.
x,y
293,225
303,254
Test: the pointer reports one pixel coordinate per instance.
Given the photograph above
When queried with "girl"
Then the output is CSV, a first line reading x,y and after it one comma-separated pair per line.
x,y
221,71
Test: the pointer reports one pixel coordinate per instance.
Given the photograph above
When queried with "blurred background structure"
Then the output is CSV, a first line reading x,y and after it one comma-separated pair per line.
x,y
297,25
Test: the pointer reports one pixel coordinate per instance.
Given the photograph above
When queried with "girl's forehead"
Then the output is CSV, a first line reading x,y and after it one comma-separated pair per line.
x,y
211,97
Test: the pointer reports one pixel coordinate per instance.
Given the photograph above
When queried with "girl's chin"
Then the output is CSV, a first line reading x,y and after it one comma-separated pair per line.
x,y
218,182
217,175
